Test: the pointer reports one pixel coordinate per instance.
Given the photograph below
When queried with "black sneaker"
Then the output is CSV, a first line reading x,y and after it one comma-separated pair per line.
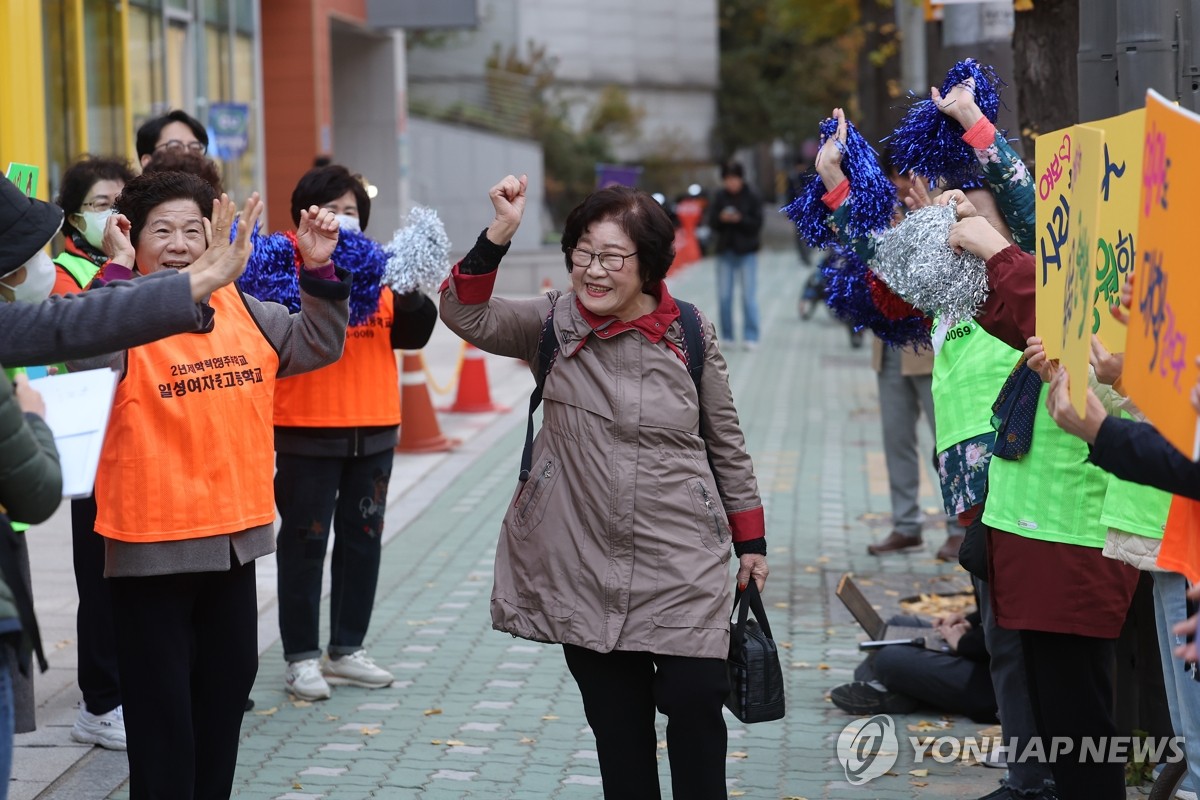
x,y
861,699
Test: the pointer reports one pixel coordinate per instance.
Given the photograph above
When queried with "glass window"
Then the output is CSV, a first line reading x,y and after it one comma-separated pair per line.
x,y
62,141
146,65
103,55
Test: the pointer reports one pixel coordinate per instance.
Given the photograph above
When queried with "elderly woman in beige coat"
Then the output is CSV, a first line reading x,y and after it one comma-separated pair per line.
x,y
618,544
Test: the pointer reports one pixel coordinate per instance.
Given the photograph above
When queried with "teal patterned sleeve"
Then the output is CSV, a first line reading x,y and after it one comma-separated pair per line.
x,y
1012,186
864,246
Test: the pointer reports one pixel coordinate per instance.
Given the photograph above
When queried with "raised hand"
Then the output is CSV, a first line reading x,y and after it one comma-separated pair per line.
x,y
224,261
508,199
1035,359
976,235
962,206
116,243
959,103
917,195
316,236
829,157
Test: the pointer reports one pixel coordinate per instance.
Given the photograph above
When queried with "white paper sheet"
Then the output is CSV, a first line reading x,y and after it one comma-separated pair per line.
x,y
77,409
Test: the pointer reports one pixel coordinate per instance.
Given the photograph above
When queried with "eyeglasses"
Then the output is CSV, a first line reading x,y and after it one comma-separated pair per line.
x,y
612,262
199,148
101,203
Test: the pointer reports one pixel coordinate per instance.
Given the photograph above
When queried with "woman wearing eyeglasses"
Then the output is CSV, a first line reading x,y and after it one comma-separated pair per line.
x,y
617,546
86,196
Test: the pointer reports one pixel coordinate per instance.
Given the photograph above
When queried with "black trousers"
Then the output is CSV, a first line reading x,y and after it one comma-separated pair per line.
x,y
621,691
1071,690
99,678
187,646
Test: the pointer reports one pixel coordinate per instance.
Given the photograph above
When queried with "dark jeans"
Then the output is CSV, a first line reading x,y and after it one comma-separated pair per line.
x,y
311,492
1071,691
99,678
620,693
187,645
944,681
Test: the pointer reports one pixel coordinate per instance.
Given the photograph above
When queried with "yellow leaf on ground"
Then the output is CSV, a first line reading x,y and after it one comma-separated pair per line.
x,y
822,666
526,740
454,743
919,773
301,704
435,741
781,605
266,712
429,712
736,793
550,717
800,664
738,754
370,731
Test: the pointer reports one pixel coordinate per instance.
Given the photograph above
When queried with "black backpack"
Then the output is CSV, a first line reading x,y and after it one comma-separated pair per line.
x,y
693,351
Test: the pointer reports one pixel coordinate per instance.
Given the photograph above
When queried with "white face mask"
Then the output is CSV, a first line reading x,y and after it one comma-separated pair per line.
x,y
93,226
39,280
348,223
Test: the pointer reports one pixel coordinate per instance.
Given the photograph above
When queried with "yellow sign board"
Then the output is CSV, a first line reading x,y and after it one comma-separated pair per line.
x,y
1164,326
1120,190
1055,152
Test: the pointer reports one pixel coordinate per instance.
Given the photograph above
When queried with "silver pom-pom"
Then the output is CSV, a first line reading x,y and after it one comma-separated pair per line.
x,y
418,257
916,262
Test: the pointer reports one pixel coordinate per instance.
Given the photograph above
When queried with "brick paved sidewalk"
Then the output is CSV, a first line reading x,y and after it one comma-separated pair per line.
x,y
478,714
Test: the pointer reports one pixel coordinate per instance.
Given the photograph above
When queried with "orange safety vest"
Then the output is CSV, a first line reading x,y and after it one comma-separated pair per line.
x,y
189,450
360,389
1180,551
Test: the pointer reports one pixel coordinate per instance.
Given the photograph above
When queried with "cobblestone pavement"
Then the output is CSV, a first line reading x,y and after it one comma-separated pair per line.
x,y
478,714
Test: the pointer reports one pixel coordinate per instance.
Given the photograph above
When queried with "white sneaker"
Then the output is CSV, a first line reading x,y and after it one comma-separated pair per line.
x,y
106,730
304,679
356,669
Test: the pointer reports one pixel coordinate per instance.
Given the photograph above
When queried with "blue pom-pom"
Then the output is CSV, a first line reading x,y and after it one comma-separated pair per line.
x,y
364,258
872,200
270,274
848,296
930,143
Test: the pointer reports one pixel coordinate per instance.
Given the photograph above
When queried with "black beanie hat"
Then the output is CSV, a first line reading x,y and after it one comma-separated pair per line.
x,y
26,226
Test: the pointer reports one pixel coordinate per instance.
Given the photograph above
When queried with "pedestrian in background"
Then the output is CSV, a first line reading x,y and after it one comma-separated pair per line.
x,y
632,581
736,218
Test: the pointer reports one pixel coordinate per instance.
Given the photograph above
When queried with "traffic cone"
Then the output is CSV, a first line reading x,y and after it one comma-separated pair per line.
x,y
419,432
474,396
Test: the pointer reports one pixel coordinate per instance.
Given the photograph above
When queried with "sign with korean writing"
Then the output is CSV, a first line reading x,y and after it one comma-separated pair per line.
x,y
1164,325
1054,154
1120,191
1075,328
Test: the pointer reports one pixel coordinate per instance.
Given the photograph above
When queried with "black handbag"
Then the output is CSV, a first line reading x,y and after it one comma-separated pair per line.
x,y
755,677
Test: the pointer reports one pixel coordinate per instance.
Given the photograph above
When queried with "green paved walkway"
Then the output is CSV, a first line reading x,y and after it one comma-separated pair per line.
x,y
478,714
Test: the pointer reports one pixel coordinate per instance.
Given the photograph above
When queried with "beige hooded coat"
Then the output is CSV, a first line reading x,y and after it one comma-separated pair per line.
x,y
620,539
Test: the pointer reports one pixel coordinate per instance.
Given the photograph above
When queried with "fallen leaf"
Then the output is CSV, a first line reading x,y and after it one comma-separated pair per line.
x,y
435,741
526,740
738,754
800,664
454,743
831,631
302,703
331,717
429,712
662,745
297,785
370,731
919,783
822,666
781,605
811,569
785,645
550,716
736,793
919,773
267,712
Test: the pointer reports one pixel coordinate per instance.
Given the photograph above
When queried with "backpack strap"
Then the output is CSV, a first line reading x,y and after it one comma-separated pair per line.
x,y
693,351
546,355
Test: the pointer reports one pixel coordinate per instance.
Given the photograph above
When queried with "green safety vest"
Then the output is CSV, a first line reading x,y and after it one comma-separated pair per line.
x,y
1053,493
80,268
968,372
1134,508
19,527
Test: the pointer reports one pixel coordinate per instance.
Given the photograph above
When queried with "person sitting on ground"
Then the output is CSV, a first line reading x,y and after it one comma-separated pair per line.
x,y
900,678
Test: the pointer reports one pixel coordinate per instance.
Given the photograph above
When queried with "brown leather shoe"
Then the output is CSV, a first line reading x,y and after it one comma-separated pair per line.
x,y
895,542
949,550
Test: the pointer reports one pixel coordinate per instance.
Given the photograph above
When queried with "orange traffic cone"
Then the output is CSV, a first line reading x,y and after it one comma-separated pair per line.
x,y
419,433
474,396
